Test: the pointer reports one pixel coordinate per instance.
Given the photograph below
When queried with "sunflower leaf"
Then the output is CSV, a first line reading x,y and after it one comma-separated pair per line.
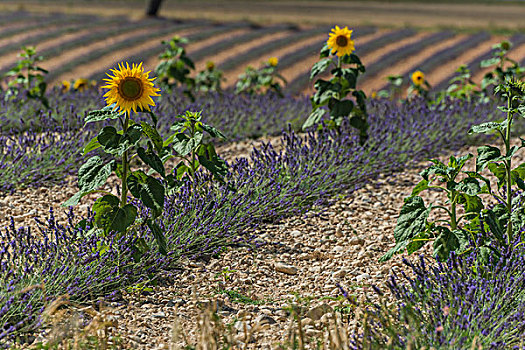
x,y
105,113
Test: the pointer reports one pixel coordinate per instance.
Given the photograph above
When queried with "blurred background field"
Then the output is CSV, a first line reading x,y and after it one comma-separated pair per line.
x,y
83,39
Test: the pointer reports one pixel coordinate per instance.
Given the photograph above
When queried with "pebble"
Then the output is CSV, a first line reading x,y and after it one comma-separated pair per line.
x,y
287,269
356,241
363,277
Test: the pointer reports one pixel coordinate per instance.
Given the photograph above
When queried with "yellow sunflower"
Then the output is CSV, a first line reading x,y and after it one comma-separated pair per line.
x,y
273,61
210,65
340,41
66,85
130,88
81,84
418,78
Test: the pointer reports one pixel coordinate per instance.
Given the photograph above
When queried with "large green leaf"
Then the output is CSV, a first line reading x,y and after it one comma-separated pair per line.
x,y
314,118
341,108
93,174
213,131
92,145
486,154
109,216
102,114
470,186
153,160
492,219
148,189
326,90
153,135
411,222
319,67
420,187
488,127
115,143
183,144
208,158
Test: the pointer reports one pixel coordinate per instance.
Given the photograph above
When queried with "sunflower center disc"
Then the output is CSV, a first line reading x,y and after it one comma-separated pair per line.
x,y
130,88
341,41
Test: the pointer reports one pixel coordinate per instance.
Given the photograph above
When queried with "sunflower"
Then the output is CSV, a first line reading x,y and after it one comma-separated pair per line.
x,y
130,88
418,77
81,84
210,65
340,41
273,61
66,85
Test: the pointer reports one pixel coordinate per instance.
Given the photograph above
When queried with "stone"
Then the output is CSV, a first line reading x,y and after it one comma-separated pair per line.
x,y
356,241
317,312
264,319
362,277
287,269
241,326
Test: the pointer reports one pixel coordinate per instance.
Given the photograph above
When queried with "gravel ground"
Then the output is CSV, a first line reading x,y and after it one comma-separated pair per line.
x,y
301,261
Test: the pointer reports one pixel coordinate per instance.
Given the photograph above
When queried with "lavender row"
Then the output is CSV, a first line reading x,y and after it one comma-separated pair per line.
x,y
301,82
262,51
206,33
445,55
198,223
395,56
474,65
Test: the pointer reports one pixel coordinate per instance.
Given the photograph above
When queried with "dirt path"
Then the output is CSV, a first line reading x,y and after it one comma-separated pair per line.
x,y
377,82
8,40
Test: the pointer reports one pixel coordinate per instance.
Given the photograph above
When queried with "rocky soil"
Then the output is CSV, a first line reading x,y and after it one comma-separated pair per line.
x,y
301,262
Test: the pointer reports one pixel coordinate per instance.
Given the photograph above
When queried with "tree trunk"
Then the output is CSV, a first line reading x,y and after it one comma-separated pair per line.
x,y
153,7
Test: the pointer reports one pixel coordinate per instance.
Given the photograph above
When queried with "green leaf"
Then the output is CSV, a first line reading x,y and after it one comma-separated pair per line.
x,y
213,131
320,66
475,175
445,242
109,216
102,114
183,144
152,160
473,204
148,189
411,222
208,158
341,108
92,145
487,127
93,174
420,187
486,154
470,186
159,236
493,221
116,144
326,90
499,171
153,135
314,118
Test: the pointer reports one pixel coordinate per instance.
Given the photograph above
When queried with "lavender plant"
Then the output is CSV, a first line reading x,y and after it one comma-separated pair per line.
x,y
500,223
333,93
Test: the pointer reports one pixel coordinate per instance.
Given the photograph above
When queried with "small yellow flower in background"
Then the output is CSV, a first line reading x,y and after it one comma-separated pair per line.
x,y
273,61
66,85
130,88
81,84
373,95
340,41
418,78
210,65
93,83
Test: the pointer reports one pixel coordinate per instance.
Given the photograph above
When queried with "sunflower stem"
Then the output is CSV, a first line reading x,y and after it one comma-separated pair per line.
x,y
124,194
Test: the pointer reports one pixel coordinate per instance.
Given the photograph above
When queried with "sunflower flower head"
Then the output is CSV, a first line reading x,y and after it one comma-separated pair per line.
x,y
340,41
66,85
210,65
130,88
81,84
273,61
418,78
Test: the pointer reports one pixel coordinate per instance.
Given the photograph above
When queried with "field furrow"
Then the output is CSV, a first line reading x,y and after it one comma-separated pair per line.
x,y
142,47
